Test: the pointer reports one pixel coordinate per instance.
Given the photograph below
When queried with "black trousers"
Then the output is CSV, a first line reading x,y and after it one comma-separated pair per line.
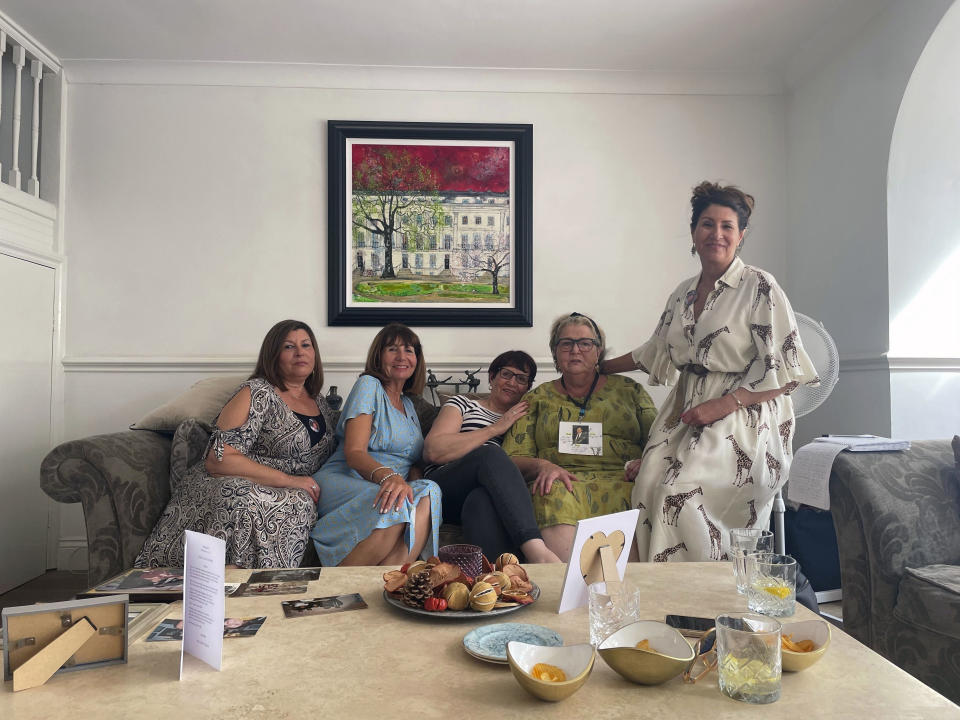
x,y
486,495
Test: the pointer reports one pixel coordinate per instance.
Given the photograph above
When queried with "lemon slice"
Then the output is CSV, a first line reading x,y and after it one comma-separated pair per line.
x,y
781,591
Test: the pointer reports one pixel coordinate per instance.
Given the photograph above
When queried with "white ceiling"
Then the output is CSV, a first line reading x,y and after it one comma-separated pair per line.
x,y
717,36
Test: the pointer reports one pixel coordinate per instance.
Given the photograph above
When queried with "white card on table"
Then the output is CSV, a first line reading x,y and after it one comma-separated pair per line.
x,y
573,594
204,558
581,438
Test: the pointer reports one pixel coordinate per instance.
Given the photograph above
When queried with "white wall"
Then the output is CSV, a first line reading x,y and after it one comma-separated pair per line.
x,y
195,217
840,119
923,196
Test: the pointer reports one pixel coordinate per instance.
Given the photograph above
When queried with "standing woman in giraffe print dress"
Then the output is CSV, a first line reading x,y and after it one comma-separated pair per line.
x,y
727,341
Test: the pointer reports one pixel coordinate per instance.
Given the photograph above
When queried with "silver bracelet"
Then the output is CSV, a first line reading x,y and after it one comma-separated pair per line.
x,y
733,394
376,470
390,475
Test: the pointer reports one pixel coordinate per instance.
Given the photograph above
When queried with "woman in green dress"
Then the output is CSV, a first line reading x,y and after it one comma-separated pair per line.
x,y
579,434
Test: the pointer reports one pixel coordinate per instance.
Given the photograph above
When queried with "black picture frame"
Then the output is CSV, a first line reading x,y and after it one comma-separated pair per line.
x,y
340,235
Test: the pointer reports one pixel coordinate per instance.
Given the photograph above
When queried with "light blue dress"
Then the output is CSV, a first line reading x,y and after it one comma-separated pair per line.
x,y
346,510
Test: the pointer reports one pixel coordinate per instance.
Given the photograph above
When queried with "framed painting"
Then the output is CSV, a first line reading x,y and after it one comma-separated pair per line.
x,y
430,224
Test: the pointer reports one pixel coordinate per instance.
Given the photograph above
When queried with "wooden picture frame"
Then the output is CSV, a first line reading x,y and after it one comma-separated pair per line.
x,y
430,224
48,638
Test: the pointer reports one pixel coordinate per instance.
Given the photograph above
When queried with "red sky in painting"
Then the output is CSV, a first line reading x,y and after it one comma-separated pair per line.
x,y
452,168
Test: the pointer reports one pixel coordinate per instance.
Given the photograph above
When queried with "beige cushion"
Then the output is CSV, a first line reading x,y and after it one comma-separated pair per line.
x,y
204,401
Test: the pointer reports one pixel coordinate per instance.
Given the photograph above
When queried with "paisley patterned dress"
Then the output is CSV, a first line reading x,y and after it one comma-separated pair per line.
x,y
695,483
626,411
263,526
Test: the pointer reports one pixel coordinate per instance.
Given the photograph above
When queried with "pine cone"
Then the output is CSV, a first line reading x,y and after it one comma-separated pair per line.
x,y
417,589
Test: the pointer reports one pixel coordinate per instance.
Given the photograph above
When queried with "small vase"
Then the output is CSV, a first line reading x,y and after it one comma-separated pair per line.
x,y
333,399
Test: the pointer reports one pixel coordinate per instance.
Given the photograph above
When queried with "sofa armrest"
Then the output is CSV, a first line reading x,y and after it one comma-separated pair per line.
x,y
123,481
892,511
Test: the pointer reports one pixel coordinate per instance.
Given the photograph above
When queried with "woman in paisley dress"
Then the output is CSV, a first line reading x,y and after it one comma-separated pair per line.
x,y
254,487
721,444
578,432
375,509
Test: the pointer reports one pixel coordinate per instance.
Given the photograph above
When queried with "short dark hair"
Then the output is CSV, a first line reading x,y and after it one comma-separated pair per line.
x,y
707,193
268,362
387,336
515,358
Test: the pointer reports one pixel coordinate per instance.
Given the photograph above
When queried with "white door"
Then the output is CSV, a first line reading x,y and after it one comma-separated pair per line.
x,y
26,356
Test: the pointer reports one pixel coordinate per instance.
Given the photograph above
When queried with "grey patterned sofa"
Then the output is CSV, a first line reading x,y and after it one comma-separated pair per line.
x,y
122,480
897,517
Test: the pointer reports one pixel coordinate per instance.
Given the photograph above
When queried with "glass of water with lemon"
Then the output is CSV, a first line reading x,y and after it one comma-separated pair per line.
x,y
772,584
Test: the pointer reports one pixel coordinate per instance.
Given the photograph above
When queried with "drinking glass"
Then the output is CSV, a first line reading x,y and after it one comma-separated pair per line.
x,y
468,558
743,541
611,609
748,657
771,584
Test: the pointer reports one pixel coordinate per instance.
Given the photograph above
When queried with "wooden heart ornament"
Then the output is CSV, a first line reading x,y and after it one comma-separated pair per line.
x,y
590,565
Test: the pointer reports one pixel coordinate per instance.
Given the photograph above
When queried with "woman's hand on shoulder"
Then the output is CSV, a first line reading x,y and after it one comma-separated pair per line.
x,y
305,483
511,416
709,411
547,475
631,469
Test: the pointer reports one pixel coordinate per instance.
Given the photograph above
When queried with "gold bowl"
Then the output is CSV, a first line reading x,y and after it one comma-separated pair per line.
x,y
816,630
576,661
670,652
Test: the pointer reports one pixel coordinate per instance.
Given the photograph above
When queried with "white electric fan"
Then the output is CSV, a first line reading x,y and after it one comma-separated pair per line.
x,y
826,360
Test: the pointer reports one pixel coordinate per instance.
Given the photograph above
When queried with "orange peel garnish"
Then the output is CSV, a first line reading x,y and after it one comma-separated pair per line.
x,y
803,646
548,673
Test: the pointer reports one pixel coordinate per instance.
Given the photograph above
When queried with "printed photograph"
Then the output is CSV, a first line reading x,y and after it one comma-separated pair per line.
x,y
272,588
323,605
581,435
165,579
172,628
285,575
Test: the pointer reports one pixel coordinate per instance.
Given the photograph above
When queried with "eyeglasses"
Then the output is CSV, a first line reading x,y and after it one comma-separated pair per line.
x,y
507,376
583,344
704,659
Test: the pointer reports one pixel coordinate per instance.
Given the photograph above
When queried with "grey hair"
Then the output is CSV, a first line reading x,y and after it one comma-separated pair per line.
x,y
561,322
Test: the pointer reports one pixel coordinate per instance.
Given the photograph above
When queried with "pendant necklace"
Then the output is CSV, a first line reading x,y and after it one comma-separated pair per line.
x,y
583,405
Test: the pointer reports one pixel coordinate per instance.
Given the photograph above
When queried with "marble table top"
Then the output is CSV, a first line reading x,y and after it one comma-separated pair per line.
x,y
384,663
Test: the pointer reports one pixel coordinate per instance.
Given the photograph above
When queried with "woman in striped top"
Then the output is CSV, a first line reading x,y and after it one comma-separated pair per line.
x,y
483,491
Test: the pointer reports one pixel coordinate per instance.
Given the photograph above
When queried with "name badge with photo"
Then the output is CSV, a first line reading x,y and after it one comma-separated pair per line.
x,y
580,438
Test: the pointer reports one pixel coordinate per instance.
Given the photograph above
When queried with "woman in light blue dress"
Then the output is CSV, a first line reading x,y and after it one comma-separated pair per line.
x,y
374,507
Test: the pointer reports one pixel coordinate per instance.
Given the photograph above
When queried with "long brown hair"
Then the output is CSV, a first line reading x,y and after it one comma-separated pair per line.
x,y
394,333
268,362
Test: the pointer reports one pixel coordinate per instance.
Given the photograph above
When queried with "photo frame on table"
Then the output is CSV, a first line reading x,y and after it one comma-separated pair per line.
x,y
430,224
47,638
616,531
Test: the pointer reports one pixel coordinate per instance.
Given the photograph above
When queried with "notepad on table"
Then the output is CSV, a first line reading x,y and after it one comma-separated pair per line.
x,y
865,443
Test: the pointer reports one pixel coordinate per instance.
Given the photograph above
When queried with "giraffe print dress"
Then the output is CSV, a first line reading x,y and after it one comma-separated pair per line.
x,y
695,483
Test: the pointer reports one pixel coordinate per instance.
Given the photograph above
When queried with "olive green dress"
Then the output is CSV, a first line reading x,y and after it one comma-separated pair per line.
x,y
627,413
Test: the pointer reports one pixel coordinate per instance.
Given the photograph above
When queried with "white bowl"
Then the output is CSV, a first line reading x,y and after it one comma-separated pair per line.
x,y
576,661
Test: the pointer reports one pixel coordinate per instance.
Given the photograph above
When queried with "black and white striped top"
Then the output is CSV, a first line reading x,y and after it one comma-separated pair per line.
x,y
475,417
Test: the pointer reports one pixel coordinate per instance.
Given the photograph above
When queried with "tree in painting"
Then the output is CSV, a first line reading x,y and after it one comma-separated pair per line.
x,y
495,262
388,182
